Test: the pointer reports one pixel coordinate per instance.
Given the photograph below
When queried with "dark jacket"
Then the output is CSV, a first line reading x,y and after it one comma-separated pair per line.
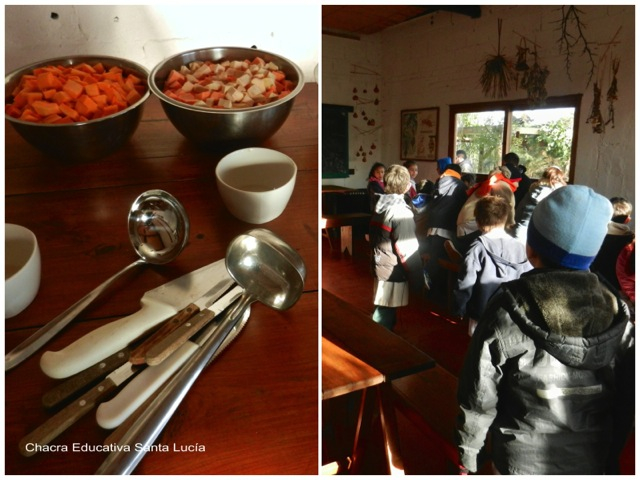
x,y
392,235
374,190
550,373
489,263
525,209
442,211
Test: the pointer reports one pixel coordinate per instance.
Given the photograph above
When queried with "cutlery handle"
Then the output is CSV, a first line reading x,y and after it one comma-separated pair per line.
x,y
165,347
66,417
114,412
48,331
104,341
78,382
148,426
138,355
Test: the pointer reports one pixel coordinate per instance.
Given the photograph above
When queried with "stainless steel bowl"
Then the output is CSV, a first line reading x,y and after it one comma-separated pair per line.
x,y
80,141
225,129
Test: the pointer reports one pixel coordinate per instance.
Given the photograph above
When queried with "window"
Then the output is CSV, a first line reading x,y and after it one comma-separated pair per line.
x,y
542,136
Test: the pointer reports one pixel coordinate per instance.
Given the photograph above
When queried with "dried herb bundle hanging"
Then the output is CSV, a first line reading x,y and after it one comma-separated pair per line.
x,y
536,81
521,64
595,119
497,74
612,93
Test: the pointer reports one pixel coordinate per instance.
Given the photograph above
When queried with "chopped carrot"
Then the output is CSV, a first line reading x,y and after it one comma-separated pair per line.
x,y
92,89
69,111
47,81
53,118
30,116
48,94
132,97
61,97
77,93
45,108
86,106
73,88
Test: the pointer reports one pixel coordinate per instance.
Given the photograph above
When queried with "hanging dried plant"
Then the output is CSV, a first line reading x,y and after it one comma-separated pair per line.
x,y
536,82
612,93
595,119
522,67
497,75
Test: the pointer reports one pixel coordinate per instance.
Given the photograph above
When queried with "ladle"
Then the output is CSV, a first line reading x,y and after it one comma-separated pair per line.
x,y
158,231
269,270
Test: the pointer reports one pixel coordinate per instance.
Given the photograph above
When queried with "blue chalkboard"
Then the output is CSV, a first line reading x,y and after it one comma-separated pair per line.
x,y
335,140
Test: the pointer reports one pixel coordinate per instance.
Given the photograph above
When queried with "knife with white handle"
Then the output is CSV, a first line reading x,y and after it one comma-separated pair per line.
x,y
157,305
112,413
73,385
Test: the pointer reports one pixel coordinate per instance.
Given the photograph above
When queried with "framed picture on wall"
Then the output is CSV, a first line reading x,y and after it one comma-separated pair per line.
x,y
419,130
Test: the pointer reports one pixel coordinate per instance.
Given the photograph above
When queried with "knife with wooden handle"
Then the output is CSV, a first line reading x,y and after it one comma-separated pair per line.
x,y
172,342
84,379
157,305
62,392
126,404
66,417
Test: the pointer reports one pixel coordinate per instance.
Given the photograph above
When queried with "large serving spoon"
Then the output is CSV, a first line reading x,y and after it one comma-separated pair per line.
x,y
258,264
158,231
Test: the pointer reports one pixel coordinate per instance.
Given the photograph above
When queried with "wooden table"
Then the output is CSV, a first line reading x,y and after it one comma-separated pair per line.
x,y
255,410
375,356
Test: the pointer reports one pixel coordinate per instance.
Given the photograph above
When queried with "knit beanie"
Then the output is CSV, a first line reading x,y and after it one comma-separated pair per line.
x,y
568,227
443,162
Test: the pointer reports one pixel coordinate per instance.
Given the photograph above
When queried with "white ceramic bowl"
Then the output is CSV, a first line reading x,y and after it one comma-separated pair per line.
x,y
256,183
21,267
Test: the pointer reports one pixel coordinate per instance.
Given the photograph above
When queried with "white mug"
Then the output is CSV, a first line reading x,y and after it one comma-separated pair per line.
x,y
256,183
21,267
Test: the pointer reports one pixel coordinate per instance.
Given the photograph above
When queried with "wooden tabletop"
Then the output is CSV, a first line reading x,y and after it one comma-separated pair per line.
x,y
253,411
343,373
370,342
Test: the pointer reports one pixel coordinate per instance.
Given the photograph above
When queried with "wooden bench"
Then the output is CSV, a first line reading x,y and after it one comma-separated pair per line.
x,y
345,222
428,400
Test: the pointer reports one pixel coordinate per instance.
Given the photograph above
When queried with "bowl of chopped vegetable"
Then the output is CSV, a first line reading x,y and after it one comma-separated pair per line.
x,y
78,108
226,97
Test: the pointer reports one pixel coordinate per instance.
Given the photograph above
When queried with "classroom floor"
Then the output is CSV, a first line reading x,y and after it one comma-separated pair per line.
x,y
423,323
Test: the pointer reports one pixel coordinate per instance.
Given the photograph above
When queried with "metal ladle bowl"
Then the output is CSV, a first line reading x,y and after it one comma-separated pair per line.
x,y
270,271
158,230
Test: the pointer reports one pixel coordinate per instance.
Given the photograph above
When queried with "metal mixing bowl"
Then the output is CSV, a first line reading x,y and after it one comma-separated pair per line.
x,y
225,129
80,141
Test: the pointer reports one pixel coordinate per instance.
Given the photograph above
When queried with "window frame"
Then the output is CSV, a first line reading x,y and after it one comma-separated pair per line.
x,y
569,101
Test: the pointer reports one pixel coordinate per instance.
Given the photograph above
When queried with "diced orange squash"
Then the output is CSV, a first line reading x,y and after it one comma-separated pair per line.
x,y
65,94
73,88
45,108
47,81
61,97
92,89
69,111
53,118
86,106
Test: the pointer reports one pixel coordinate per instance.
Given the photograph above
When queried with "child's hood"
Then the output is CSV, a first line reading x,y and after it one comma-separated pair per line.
x,y
571,315
507,255
390,200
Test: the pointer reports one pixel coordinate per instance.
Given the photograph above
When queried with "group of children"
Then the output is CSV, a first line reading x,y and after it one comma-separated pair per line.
x,y
549,373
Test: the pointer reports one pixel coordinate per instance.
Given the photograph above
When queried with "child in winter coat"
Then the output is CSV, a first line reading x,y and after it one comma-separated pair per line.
x,y
396,261
493,258
549,373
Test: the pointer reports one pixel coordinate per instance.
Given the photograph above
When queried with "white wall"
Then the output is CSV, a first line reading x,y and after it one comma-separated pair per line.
x,y
147,34
435,61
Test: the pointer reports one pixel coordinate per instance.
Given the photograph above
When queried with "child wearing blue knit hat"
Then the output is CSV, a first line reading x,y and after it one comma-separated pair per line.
x,y
549,374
